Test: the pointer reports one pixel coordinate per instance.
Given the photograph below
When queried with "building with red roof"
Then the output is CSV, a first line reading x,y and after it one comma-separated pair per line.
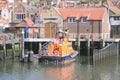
x,y
114,13
4,24
90,20
17,12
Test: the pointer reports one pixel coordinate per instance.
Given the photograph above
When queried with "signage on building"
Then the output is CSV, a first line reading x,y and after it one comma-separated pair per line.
x,y
50,18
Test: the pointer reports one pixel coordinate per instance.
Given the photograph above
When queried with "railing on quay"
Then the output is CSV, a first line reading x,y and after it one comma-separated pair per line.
x,y
109,51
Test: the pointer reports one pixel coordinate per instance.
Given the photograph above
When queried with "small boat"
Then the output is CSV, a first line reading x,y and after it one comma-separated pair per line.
x,y
60,49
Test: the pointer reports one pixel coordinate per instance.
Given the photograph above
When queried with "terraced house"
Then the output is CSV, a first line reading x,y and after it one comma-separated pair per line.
x,y
114,13
88,20
17,12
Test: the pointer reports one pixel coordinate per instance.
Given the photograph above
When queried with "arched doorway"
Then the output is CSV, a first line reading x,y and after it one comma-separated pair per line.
x,y
50,29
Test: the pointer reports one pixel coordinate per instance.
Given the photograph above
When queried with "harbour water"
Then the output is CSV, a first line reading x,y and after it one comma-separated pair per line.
x,y
80,69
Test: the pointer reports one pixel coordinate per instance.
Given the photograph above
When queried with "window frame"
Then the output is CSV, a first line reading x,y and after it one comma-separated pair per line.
x,y
71,19
20,16
116,18
84,19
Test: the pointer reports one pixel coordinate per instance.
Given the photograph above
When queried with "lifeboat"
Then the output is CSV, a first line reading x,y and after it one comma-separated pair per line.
x,y
60,49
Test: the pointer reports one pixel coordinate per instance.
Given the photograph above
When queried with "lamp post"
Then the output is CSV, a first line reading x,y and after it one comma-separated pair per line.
x,y
88,43
88,38
4,47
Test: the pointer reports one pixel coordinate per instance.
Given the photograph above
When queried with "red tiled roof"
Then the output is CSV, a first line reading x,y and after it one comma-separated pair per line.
x,y
91,13
19,2
112,8
25,22
28,21
108,3
4,21
1,5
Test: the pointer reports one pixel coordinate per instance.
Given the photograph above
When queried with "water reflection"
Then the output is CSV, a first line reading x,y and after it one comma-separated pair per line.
x,y
60,71
80,69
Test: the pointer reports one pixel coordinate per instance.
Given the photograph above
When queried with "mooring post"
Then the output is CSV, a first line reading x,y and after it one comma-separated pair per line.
x,y
39,48
103,43
79,45
88,47
22,41
119,47
13,47
4,48
78,35
117,51
20,48
88,43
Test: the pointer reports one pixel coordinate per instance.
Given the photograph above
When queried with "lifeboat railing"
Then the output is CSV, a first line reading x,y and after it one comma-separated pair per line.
x,y
44,47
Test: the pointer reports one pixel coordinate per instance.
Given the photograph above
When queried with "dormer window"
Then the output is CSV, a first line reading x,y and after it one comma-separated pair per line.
x,y
71,19
84,19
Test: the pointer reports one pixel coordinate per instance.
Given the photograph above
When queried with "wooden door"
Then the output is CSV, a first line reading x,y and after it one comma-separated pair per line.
x,y
50,30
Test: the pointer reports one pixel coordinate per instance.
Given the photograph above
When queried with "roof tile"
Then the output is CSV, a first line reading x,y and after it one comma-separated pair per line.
x,y
91,13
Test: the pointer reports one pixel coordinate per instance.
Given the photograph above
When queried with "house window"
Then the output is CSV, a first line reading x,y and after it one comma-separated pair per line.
x,y
84,19
116,18
71,19
32,16
20,16
37,22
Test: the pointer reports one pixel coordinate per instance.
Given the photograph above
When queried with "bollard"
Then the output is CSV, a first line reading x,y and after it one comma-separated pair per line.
x,y
22,42
30,56
4,48
40,47
13,47
25,59
13,52
88,47
119,47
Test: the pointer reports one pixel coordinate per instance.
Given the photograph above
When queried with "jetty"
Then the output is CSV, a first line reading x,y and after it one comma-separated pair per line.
x,y
87,46
33,45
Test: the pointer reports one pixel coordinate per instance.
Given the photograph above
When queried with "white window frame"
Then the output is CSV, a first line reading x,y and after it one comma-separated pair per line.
x,y
116,18
71,19
84,19
21,17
